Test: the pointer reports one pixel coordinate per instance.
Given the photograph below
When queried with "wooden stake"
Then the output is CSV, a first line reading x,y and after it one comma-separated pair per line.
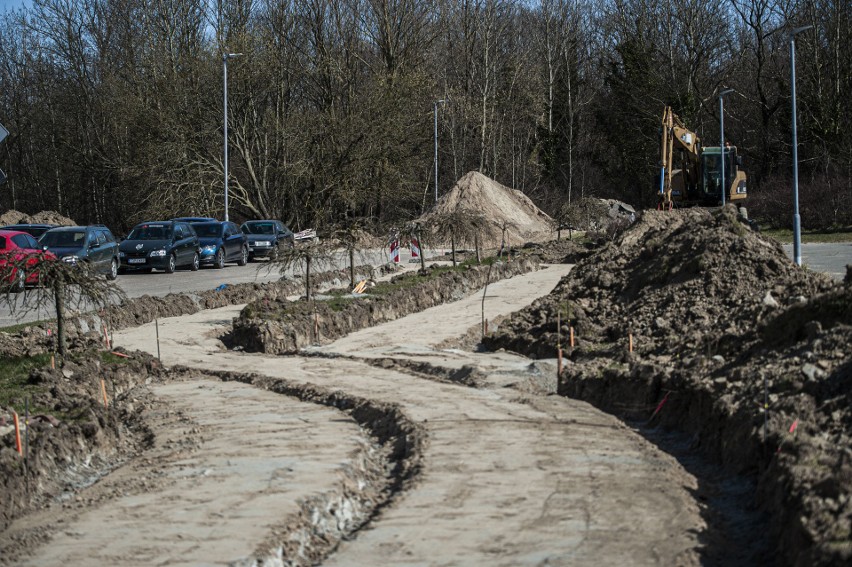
x,y
559,362
316,328
157,331
571,335
18,446
630,342
486,326
103,391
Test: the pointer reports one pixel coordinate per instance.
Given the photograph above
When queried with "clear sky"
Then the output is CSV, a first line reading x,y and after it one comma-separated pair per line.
x,y
12,4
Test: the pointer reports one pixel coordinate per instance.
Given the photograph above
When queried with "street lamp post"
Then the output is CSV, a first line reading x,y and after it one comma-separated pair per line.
x,y
435,106
797,221
722,140
225,57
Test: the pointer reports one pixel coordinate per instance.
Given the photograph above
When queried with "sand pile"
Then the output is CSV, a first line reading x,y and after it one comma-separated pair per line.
x,y
42,217
500,205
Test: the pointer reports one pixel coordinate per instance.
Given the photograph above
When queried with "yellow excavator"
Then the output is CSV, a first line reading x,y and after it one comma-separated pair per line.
x,y
691,174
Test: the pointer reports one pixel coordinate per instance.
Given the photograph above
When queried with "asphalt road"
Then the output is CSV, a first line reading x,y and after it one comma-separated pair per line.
x,y
828,257
15,309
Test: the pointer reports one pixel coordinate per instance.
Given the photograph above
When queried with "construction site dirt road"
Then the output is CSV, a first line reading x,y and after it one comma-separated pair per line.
x,y
510,474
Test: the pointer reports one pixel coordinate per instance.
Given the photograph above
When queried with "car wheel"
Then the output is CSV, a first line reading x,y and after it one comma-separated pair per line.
x,y
172,265
113,270
244,256
219,262
196,262
273,255
20,282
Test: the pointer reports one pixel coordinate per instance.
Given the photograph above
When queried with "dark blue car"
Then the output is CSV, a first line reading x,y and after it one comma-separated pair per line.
x,y
221,242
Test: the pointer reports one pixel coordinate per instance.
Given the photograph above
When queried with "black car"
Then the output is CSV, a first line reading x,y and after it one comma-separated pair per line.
x,y
94,244
221,242
265,237
35,230
195,219
161,245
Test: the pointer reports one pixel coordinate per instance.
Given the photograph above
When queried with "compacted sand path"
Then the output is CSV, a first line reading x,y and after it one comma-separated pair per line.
x,y
510,477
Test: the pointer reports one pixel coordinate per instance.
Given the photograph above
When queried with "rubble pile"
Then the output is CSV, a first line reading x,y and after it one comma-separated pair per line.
x,y
745,351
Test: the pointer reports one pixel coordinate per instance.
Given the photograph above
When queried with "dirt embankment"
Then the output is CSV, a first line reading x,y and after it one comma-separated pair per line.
x,y
42,217
734,345
283,327
73,439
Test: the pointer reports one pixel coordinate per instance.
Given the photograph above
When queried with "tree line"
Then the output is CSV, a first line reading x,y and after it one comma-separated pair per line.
x,y
115,107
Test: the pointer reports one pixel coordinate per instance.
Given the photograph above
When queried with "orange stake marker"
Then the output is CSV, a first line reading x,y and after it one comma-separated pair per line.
x,y
571,336
18,446
630,340
103,391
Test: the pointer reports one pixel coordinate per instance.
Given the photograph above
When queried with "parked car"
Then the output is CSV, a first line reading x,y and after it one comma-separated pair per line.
x,y
94,244
16,249
161,245
195,219
221,242
34,230
265,237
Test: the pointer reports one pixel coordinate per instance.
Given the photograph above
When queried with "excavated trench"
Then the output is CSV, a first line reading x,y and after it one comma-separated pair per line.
x,y
377,473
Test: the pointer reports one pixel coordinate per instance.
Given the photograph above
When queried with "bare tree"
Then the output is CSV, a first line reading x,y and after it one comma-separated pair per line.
x,y
460,225
58,286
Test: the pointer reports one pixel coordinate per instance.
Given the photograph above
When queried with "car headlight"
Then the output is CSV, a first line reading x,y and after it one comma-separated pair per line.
x,y
209,249
70,259
155,253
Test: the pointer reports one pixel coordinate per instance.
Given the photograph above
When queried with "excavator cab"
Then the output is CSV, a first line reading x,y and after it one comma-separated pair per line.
x,y
711,177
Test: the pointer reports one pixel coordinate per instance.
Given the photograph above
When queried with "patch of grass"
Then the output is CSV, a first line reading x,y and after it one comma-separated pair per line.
x,y
785,235
14,372
109,358
11,329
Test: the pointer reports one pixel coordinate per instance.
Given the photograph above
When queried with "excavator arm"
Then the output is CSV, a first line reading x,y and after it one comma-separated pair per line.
x,y
677,141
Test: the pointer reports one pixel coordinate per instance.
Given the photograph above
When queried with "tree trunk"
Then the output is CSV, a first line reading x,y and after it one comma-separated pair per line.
x,y
352,268
422,253
308,278
453,247
59,300
476,245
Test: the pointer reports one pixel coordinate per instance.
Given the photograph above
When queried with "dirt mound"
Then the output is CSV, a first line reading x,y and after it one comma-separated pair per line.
x,y
41,217
500,205
734,344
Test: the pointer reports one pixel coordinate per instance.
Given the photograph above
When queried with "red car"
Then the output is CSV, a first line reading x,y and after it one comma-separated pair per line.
x,y
17,247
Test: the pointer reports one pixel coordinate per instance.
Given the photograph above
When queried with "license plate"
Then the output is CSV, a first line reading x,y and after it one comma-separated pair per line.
x,y
136,260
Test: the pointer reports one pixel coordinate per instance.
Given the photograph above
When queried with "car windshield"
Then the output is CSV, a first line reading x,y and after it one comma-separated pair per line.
x,y
208,230
150,232
62,238
259,228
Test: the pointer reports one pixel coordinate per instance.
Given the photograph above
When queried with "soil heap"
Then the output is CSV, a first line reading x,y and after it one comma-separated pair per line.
x,y
500,205
42,217
729,332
